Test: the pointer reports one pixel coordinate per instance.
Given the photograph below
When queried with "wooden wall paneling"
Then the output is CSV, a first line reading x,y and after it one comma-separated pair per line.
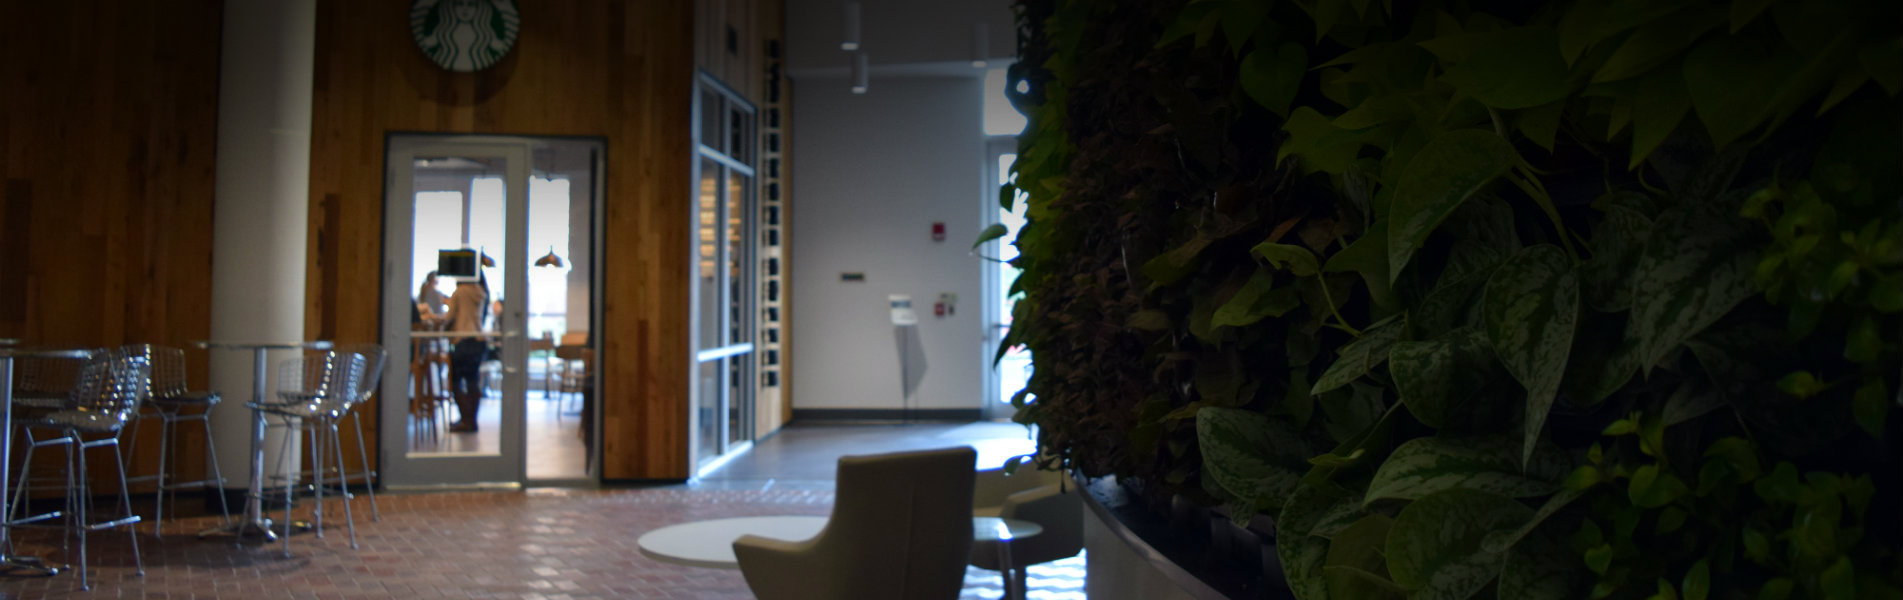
x,y
622,71
107,133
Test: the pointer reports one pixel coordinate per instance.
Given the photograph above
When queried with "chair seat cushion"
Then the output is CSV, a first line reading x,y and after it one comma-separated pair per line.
x,y
80,420
188,398
302,410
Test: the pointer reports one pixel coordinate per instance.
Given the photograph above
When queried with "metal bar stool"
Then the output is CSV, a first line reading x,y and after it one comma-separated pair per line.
x,y
109,390
314,390
172,404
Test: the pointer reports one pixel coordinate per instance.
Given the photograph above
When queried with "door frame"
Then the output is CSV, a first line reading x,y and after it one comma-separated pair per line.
x,y
727,355
507,468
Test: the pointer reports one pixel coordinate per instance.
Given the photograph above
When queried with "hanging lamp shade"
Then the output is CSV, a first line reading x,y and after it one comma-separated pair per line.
x,y
550,259
860,77
980,44
849,37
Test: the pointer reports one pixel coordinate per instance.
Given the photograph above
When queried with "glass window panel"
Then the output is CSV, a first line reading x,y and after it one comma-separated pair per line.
x,y
438,226
739,134
707,408
1000,117
737,394
711,110
739,259
707,255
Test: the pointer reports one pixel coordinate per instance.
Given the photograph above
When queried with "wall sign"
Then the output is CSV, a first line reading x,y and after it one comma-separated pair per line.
x,y
464,35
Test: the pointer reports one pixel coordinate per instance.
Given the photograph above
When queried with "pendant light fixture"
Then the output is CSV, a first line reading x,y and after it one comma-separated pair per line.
x,y
860,79
980,44
849,41
550,259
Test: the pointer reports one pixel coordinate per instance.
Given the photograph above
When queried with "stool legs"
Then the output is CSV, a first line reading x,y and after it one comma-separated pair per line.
x,y
369,483
79,496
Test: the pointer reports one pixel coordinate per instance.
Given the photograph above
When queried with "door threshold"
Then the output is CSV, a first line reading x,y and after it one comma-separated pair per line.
x,y
489,486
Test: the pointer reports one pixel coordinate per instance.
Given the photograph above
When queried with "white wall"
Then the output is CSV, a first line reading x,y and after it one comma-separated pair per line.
x,y
871,173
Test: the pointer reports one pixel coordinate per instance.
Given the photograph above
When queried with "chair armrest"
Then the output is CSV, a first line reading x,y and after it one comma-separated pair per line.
x,y
780,569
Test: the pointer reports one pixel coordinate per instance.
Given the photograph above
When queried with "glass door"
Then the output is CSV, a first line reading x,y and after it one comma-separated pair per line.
x,y
721,422
455,307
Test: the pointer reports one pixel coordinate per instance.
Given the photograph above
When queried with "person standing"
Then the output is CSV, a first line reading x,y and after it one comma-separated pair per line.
x,y
468,308
430,298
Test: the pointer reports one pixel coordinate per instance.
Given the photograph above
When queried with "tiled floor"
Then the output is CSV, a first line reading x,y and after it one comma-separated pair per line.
x,y
535,544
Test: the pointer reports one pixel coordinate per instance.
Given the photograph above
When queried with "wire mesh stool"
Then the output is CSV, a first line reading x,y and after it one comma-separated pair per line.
x,y
108,391
314,390
169,401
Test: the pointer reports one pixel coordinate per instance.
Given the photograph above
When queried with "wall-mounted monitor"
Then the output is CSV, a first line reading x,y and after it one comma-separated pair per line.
x,y
457,263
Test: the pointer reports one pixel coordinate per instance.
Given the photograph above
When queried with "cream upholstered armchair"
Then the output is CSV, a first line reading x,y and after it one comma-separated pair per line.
x,y
900,528
1041,497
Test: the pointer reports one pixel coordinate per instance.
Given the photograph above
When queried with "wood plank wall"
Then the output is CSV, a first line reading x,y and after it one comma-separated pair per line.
x,y
621,70
108,117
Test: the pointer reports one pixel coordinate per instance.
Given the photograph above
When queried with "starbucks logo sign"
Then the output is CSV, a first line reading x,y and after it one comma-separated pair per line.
x,y
464,35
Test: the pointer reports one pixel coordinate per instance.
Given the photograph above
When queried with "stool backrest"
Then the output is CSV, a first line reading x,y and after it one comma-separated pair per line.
x,y
321,381
373,359
168,369
113,383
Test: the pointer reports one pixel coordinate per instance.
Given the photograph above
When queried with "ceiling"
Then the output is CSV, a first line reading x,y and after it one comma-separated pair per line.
x,y
899,37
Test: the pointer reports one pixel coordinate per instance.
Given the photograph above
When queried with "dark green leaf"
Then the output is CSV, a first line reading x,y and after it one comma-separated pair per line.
x,y
991,232
1651,488
1602,361
1522,68
1148,320
1317,142
1434,546
1883,60
1540,124
1171,267
1734,81
1872,406
1295,259
1651,45
1353,554
1660,102
1424,466
1777,588
1588,23
1366,352
1697,584
1696,266
1271,78
1252,303
1446,171
1311,514
1743,11
1368,256
1435,376
1531,308
1840,580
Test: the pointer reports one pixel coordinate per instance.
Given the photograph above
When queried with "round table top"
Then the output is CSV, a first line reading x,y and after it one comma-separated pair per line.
x,y
311,345
44,353
710,543
994,529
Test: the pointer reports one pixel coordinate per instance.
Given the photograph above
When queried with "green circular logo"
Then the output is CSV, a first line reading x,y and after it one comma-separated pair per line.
x,y
464,35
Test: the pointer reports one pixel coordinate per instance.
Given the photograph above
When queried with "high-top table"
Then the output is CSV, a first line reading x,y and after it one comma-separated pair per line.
x,y
254,522
11,564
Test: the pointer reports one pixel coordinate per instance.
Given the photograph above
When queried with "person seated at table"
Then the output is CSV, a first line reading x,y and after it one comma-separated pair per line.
x,y
468,308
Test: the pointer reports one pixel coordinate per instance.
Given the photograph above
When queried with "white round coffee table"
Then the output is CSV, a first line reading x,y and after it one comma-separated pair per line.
x,y
992,534
710,543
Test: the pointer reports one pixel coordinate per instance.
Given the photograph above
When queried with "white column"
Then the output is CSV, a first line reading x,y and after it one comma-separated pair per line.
x,y
261,208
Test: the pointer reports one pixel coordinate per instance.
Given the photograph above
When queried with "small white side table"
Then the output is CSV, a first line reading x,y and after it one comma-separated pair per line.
x,y
998,534
710,543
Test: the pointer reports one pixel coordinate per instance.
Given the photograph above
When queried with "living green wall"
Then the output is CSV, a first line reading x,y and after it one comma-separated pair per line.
x,y
1571,299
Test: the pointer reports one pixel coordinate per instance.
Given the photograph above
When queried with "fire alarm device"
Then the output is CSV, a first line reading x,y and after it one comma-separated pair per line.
x,y
938,231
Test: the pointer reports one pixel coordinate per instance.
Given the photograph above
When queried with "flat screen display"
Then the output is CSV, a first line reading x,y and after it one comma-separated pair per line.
x,y
456,263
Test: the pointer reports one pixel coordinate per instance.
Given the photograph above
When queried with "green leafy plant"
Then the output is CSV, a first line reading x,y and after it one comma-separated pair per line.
x,y
1591,298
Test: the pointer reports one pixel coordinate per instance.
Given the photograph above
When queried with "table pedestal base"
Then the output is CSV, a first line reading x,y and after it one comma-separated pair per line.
x,y
260,527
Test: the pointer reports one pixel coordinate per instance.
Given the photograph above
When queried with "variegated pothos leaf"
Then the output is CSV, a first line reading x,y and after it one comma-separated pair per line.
x,y
1696,266
1434,546
1442,175
1541,568
1531,309
1616,245
1436,375
1428,465
1257,459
